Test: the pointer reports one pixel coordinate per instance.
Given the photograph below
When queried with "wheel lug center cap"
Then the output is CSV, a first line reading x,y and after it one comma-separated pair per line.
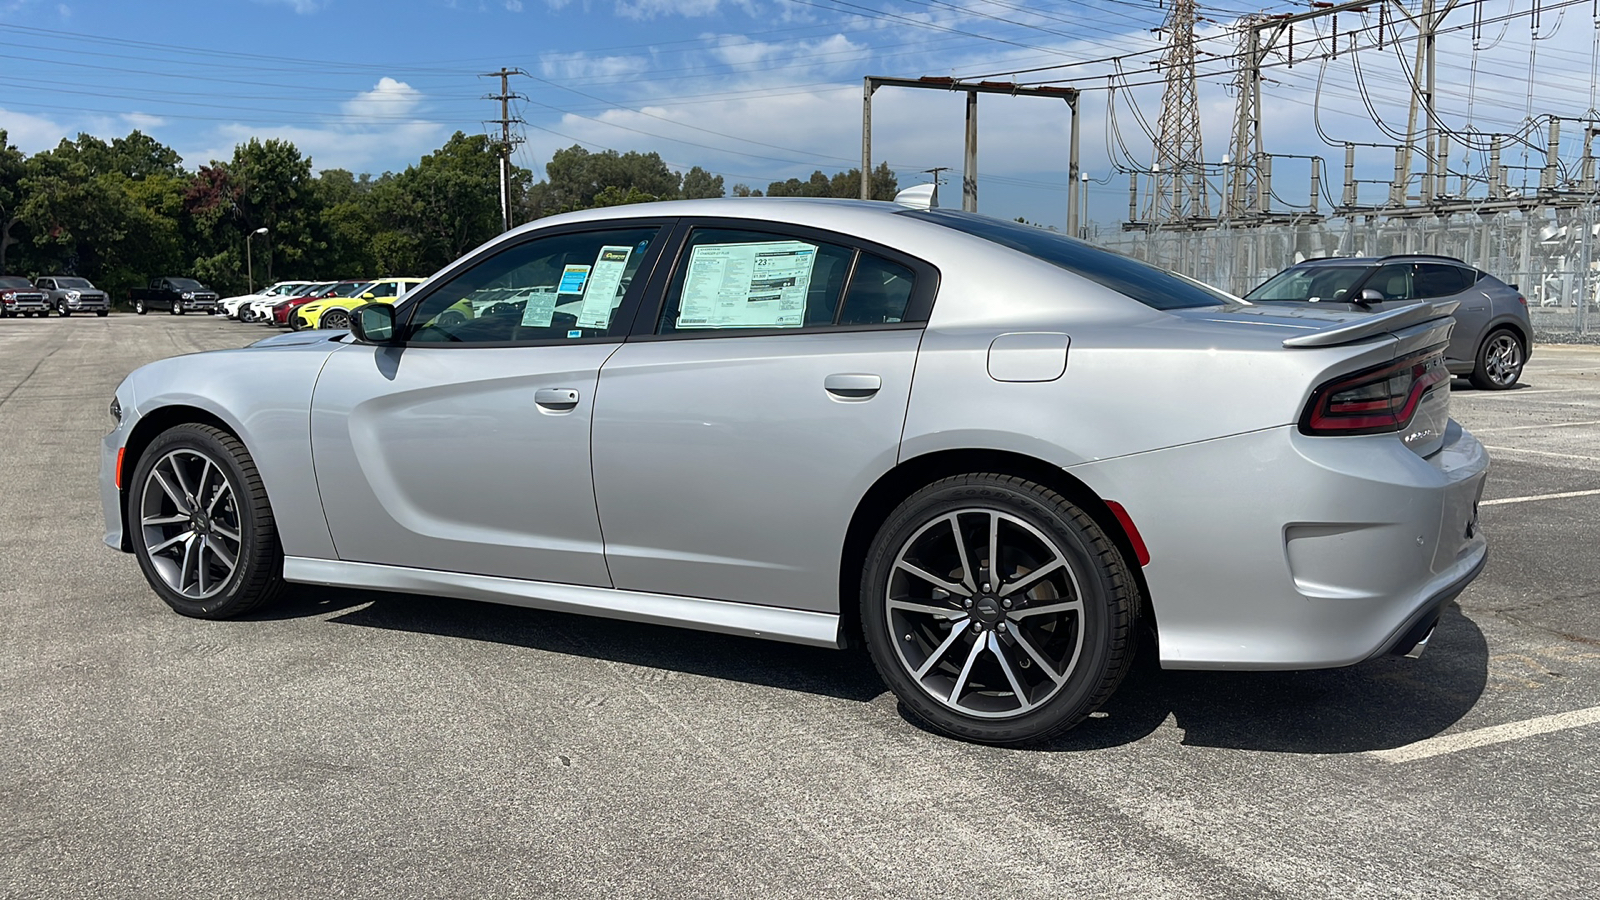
x,y
987,610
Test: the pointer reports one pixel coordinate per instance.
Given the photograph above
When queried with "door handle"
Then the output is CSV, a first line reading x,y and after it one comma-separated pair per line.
x,y
556,399
849,386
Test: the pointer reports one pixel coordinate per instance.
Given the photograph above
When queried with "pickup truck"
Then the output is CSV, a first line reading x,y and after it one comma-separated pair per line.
x,y
67,294
18,297
175,295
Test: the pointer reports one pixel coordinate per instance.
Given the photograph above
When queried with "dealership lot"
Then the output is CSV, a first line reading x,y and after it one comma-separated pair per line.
x,y
371,745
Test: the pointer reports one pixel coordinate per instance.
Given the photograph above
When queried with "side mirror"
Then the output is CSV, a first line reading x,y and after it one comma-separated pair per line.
x,y
373,323
1369,296
369,296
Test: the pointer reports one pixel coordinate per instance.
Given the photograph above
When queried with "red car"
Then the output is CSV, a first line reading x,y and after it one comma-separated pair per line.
x,y
283,310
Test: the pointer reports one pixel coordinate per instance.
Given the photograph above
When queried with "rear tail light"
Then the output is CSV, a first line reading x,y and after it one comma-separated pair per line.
x,y
1376,400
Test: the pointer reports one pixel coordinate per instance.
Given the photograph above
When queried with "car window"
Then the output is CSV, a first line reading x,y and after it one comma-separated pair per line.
x,y
1392,281
733,278
1438,280
560,287
1152,286
879,292
12,281
1310,284
46,284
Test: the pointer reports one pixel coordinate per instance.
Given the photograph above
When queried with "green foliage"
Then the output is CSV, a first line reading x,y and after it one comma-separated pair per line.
x,y
123,211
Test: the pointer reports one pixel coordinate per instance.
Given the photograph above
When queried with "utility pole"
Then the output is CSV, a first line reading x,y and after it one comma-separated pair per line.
x,y
507,141
1247,119
1178,153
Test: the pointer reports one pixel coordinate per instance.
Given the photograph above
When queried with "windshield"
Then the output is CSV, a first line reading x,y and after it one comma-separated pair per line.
x,y
76,283
354,289
1310,284
186,284
1143,282
11,281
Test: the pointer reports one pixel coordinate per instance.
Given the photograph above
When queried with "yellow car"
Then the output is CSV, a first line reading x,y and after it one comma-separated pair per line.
x,y
334,312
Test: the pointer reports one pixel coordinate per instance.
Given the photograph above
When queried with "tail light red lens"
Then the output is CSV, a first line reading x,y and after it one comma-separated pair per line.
x,y
1376,400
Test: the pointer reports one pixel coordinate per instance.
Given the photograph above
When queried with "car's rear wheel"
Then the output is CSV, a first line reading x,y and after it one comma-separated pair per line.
x,y
335,319
1500,361
997,610
201,526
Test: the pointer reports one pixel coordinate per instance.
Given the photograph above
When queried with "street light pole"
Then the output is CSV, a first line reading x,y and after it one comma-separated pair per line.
x,y
249,264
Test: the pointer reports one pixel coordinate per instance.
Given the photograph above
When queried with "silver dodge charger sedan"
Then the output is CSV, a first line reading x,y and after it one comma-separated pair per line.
x,y
989,453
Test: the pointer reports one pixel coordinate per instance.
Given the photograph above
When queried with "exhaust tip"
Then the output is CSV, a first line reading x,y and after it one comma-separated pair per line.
x,y
1419,646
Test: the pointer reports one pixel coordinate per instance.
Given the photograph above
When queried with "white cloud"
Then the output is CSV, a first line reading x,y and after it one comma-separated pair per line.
x,y
582,65
143,121
388,100
31,134
303,7
514,5
650,9
64,10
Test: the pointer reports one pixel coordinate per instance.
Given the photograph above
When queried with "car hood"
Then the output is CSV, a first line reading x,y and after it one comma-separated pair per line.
x,y
298,339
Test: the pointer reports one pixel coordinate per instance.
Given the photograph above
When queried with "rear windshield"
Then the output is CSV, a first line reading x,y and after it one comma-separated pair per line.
x,y
1310,284
1143,282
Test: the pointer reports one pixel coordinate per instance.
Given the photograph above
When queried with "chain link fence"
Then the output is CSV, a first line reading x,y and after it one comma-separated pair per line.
x,y
1552,256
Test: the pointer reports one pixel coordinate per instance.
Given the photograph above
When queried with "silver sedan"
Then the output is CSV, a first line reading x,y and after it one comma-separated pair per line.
x,y
993,455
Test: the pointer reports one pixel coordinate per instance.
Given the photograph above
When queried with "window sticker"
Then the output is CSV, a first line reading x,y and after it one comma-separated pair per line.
x,y
575,333
540,309
573,279
755,285
605,287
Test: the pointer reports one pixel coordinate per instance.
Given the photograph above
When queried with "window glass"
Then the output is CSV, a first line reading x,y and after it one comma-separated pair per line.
x,y
1310,284
1392,281
1143,282
560,287
1438,280
14,281
729,279
879,292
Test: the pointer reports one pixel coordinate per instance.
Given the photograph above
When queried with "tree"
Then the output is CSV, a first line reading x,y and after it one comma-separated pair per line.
x,y
844,185
12,165
699,184
449,202
576,178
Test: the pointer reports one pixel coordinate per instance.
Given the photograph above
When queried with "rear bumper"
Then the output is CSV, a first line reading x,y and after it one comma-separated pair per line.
x,y
1274,550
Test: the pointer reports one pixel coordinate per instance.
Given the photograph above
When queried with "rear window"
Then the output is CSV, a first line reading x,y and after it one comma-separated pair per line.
x,y
1143,282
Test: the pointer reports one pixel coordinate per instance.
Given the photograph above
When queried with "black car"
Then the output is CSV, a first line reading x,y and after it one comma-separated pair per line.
x,y
1493,335
175,295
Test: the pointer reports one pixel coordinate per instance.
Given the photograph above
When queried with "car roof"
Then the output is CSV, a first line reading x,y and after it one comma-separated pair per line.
x,y
1378,260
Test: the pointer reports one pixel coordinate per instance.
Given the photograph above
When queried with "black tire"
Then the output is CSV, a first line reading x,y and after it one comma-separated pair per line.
x,y
1500,359
139,307
61,309
102,313
335,319
176,308
1028,520
451,319
238,499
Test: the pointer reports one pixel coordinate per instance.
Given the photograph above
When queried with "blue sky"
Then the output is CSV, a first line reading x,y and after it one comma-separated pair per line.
x,y
755,90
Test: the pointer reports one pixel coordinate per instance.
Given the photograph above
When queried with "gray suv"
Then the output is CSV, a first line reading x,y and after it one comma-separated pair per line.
x,y
1492,337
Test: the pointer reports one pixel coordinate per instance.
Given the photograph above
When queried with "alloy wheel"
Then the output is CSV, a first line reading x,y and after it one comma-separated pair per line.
x,y
1503,359
985,612
189,513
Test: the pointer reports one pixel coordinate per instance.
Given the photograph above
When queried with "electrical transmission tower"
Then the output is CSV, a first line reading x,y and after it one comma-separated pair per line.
x,y
507,140
1178,186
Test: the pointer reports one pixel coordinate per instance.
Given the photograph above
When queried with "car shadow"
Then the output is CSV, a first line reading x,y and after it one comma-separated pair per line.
x,y
1376,705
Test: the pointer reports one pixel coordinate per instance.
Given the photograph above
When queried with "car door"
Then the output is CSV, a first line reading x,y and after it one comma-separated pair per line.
x,y
763,392
465,447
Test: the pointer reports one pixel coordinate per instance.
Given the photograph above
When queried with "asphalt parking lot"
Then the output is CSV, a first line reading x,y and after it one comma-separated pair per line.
x,y
353,744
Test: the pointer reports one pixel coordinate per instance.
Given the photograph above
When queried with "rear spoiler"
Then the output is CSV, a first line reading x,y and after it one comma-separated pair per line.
x,y
1372,326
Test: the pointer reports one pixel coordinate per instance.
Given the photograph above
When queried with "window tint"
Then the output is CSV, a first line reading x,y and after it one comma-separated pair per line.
x,y
13,281
1145,283
1439,280
1310,283
879,292
563,287
1392,281
738,279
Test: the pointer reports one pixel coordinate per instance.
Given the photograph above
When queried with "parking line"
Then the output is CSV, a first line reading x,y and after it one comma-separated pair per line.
x,y
1522,393
1561,496
1533,427
1494,734
1542,453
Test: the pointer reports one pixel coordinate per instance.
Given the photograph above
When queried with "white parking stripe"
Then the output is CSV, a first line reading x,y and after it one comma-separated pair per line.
x,y
1542,453
1482,737
1533,427
1500,395
1560,496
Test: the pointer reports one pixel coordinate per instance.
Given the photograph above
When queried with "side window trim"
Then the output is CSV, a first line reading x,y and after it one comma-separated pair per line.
x,y
413,300
648,313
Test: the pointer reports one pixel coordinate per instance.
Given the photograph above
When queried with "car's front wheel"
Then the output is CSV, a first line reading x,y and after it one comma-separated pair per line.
x,y
997,610
61,309
335,319
138,307
1500,360
201,526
